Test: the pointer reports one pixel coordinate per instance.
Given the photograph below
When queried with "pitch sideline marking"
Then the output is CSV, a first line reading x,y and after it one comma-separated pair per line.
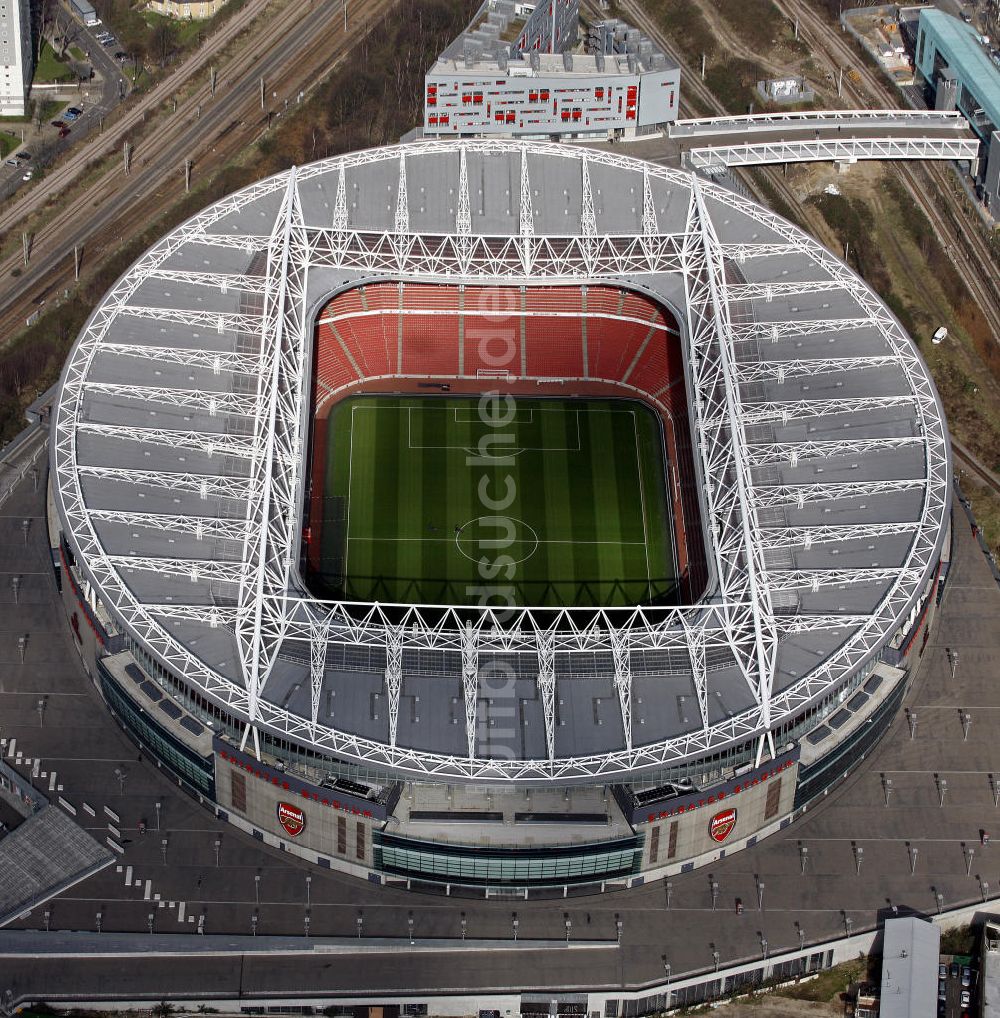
x,y
642,503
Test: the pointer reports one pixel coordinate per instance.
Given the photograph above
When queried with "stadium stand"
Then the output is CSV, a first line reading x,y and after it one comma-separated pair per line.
x,y
601,336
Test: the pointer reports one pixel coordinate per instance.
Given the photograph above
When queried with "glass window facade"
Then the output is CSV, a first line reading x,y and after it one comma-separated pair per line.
x,y
462,864
195,771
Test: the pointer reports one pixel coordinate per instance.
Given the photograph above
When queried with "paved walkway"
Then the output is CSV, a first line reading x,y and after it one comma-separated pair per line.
x,y
80,742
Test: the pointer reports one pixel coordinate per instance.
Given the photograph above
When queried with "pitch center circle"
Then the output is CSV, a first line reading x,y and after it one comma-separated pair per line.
x,y
490,537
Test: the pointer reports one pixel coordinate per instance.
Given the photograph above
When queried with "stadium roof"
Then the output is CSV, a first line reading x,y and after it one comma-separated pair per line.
x,y
178,451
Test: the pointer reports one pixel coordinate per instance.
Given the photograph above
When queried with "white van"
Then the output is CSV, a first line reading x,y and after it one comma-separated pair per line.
x,y
940,335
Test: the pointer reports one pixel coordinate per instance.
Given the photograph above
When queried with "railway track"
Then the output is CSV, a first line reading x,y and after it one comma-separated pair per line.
x,y
210,131
960,235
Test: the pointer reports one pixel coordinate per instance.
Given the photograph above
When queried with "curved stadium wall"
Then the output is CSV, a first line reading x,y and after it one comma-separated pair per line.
x,y
804,468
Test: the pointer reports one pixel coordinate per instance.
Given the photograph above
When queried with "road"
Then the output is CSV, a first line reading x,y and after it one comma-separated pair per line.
x,y
210,131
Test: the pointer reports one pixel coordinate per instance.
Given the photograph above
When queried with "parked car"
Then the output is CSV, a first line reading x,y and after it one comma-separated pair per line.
x,y
121,55
63,131
966,976
954,970
942,990
966,998
10,162
942,971
76,111
31,173
22,156
58,123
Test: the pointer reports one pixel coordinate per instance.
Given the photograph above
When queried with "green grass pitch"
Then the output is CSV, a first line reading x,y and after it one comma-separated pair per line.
x,y
541,502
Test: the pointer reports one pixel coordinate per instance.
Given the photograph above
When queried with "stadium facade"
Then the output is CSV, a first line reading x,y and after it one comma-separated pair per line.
x,y
496,747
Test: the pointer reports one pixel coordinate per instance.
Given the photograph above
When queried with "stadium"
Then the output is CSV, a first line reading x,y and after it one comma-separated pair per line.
x,y
500,516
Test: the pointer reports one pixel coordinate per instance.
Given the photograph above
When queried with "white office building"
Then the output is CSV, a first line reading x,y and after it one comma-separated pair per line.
x,y
15,56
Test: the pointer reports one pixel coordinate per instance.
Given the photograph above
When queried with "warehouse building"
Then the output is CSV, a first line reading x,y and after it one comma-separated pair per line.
x,y
521,70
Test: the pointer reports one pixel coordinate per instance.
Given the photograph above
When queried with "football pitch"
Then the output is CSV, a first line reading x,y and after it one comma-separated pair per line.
x,y
500,501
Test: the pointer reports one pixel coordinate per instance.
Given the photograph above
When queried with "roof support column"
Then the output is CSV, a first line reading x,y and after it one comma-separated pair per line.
x,y
547,688
623,679
526,217
317,667
393,676
470,684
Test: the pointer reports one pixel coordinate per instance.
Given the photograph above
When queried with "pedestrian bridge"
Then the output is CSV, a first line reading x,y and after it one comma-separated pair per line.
x,y
839,150
887,122
843,136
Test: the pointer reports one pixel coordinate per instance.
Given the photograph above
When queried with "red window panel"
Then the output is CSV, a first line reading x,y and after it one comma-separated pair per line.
x,y
599,93
565,114
511,117
630,114
432,120
544,95
533,97
576,114
477,98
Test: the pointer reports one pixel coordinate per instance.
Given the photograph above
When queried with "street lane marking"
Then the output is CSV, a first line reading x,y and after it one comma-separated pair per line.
x,y
148,890
114,844
128,877
87,808
114,816
67,805
180,911
52,781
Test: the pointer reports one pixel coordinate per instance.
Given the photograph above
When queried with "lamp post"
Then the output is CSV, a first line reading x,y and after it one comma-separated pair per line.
x,y
914,851
163,850
911,717
15,586
309,881
760,895
256,888
859,854
40,707
465,924
158,805
47,917
409,927
714,884
939,898
99,919
306,923
121,774
802,938
953,661
218,850
942,789
763,948
359,922
22,643
803,857
969,855
618,929
715,958
253,924
569,927
848,924
25,527
514,923
670,891
966,725
149,922
887,788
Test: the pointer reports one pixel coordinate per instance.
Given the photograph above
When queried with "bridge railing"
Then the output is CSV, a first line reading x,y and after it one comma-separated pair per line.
x,y
810,120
